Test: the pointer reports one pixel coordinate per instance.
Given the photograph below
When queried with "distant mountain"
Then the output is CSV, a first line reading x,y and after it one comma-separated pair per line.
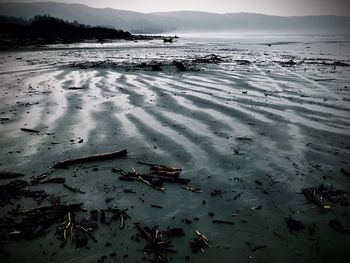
x,y
183,21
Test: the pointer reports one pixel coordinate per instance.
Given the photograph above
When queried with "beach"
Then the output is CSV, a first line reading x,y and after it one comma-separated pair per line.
x,y
251,122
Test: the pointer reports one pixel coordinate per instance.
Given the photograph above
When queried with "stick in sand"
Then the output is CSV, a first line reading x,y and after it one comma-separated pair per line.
x,y
91,158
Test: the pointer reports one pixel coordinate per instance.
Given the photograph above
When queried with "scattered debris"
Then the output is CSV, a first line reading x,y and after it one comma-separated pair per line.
x,y
318,195
310,195
77,232
35,222
155,179
91,158
149,180
158,242
119,214
200,242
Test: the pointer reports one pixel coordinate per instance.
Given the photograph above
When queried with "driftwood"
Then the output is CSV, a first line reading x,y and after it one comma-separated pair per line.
x,y
139,178
34,222
78,232
162,170
78,88
158,242
91,158
199,242
119,214
223,221
318,195
10,175
29,130
310,195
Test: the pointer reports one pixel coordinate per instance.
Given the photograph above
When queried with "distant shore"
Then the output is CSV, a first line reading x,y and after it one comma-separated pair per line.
x,y
46,30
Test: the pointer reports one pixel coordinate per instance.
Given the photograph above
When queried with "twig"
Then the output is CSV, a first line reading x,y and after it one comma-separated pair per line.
x,y
151,185
223,221
156,206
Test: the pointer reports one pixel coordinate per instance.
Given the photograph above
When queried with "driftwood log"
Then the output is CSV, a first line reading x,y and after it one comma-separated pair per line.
x,y
91,158
29,130
131,177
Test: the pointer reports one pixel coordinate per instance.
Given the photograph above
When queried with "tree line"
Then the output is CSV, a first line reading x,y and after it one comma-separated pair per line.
x,y
48,29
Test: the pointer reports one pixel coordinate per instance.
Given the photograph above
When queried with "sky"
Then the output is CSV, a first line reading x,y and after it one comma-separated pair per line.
x,y
270,7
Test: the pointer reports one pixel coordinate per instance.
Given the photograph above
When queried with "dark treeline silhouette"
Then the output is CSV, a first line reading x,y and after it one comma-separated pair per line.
x,y
43,29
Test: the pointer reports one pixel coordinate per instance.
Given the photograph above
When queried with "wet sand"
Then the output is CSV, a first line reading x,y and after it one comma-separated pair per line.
x,y
259,132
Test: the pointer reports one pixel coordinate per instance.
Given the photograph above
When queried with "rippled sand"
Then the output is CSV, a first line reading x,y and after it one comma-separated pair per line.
x,y
296,119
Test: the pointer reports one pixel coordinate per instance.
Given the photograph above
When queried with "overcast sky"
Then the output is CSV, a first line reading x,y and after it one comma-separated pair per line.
x,y
272,7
